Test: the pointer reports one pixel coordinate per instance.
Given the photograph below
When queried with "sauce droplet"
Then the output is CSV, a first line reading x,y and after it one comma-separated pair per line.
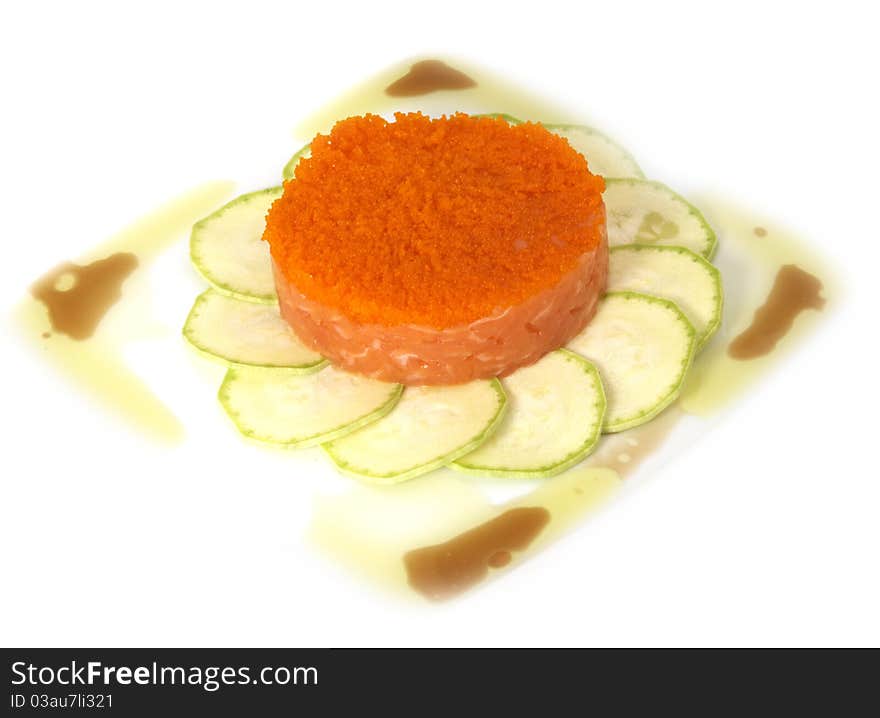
x,y
429,76
794,291
444,570
77,297
760,232
499,559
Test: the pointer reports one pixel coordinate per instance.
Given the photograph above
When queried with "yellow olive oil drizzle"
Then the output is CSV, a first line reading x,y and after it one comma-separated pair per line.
x,y
489,93
356,527
68,310
721,372
375,529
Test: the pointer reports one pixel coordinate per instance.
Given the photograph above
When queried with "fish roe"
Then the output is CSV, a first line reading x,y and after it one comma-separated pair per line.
x,y
436,223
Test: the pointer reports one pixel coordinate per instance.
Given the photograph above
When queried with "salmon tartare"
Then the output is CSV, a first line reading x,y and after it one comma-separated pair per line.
x,y
438,251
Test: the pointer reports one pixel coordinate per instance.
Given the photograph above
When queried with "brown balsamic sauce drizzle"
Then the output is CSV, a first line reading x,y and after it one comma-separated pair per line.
x,y
429,76
793,292
78,296
444,570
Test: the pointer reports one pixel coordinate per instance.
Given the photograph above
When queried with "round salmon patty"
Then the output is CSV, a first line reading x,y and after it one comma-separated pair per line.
x,y
437,251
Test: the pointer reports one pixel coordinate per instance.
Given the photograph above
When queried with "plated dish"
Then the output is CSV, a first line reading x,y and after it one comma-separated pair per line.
x,y
429,292
471,302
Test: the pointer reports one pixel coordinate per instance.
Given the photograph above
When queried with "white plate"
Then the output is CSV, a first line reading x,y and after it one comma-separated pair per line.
x,y
206,541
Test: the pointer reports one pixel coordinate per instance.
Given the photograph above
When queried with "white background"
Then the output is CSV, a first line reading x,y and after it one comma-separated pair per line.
x,y
764,533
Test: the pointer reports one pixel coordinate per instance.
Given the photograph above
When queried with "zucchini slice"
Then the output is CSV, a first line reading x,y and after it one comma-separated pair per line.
x,y
228,250
277,406
430,426
604,156
289,170
647,212
674,273
510,119
553,421
246,333
643,347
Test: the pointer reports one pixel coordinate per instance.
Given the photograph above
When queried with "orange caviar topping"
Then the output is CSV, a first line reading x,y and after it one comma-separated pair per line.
x,y
433,222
